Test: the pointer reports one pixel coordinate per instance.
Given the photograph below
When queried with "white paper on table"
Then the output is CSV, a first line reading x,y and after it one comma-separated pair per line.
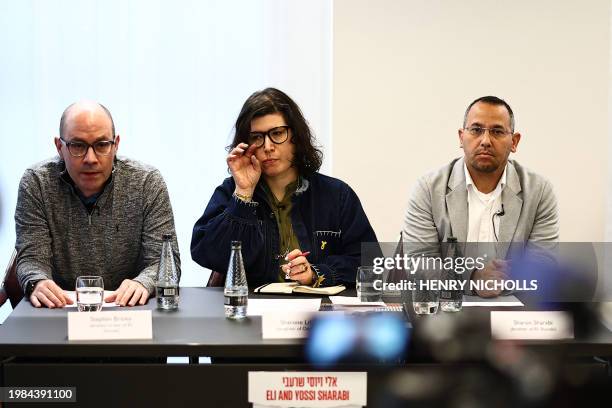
x,y
605,310
352,301
257,307
503,301
72,295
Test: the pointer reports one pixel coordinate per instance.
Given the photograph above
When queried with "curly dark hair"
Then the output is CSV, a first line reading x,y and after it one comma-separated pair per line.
x,y
308,157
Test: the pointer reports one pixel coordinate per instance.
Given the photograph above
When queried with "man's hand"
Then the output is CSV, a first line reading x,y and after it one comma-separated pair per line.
x,y
129,293
47,293
299,268
496,270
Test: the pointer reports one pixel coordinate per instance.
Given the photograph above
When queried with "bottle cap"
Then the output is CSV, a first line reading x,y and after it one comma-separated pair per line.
x,y
236,244
167,237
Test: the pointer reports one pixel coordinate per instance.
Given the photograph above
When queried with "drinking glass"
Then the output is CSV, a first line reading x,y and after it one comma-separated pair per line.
x,y
89,293
366,292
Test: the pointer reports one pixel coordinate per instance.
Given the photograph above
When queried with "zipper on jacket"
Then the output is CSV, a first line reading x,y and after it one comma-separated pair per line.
x,y
94,208
95,205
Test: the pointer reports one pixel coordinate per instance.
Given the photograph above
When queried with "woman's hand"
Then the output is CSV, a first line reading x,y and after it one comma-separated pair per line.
x,y
299,268
245,168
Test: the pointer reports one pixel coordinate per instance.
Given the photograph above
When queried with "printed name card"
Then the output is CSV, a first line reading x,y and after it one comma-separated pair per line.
x,y
286,325
555,325
308,389
124,325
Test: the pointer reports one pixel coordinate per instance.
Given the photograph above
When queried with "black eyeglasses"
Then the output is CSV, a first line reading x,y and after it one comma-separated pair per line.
x,y
493,132
79,149
277,135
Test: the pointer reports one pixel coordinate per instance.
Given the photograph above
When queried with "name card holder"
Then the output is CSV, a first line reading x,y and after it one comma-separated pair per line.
x,y
114,325
525,325
286,325
308,389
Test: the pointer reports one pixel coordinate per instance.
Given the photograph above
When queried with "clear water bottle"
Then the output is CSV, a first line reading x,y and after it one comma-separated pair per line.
x,y
236,289
451,300
167,285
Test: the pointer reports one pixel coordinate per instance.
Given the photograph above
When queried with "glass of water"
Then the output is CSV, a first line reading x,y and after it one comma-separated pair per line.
x,y
366,291
89,293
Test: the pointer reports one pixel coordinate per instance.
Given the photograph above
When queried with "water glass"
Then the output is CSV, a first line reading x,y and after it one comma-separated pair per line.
x,y
89,293
366,292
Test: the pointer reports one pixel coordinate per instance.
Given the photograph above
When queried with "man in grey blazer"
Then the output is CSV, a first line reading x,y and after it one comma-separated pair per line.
x,y
483,196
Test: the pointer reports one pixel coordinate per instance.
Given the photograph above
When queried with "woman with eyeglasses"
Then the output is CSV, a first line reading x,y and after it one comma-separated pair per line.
x,y
294,223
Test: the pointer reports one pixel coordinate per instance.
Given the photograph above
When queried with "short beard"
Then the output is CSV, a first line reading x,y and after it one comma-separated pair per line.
x,y
488,168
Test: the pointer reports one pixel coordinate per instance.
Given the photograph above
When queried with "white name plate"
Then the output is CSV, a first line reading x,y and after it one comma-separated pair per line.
x,y
124,325
308,389
554,325
286,325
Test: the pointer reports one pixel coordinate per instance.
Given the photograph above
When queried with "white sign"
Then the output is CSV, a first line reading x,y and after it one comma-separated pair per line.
x,y
308,389
554,325
500,301
260,307
124,325
353,301
286,325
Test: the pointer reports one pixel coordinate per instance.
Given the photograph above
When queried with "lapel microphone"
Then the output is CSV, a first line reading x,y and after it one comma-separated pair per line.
x,y
501,212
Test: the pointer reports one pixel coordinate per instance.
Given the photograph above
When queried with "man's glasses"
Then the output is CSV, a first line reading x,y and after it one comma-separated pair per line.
x,y
494,132
79,149
277,135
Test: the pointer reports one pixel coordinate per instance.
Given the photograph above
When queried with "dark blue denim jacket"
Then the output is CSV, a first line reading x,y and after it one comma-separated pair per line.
x,y
327,219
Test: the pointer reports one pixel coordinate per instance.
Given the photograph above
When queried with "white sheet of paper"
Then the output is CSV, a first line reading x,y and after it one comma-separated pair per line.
x,y
72,295
257,307
503,301
352,301
606,314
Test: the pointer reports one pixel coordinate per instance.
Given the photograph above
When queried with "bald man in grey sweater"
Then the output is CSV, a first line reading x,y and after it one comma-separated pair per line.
x,y
89,212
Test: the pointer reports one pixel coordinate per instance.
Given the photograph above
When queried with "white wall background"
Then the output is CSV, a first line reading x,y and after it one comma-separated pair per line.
x,y
404,72
174,74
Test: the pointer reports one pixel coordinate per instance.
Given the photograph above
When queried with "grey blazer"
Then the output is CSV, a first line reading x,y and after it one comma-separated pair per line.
x,y
438,208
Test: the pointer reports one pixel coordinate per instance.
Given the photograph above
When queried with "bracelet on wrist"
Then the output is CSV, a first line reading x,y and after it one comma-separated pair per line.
x,y
243,197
